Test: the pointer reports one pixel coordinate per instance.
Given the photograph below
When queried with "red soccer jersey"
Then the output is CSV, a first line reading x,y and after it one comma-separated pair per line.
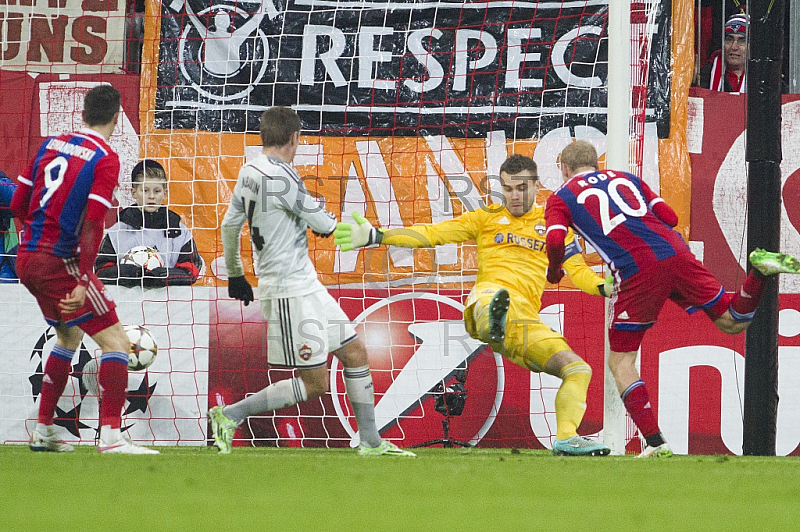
x,y
68,174
613,211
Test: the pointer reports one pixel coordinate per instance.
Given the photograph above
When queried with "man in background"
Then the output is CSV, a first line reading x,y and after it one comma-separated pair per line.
x,y
729,77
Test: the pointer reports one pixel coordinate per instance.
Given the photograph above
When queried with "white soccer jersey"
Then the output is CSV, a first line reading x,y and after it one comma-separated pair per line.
x,y
272,198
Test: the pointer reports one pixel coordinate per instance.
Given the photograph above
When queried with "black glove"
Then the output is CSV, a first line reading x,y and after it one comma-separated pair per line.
x,y
157,272
160,277
130,271
239,288
128,275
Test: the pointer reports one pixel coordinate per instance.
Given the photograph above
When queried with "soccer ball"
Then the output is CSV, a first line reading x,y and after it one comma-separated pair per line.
x,y
143,347
144,257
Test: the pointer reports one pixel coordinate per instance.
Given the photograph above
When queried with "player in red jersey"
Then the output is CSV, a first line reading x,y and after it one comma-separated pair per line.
x,y
631,227
62,198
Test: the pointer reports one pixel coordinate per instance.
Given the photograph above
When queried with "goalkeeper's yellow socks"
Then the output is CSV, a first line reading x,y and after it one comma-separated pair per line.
x,y
571,398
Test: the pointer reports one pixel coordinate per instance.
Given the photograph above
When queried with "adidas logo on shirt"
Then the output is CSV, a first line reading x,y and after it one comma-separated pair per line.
x,y
623,316
503,221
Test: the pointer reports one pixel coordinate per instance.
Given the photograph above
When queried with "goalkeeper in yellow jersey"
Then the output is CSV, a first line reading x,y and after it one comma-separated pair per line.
x,y
503,307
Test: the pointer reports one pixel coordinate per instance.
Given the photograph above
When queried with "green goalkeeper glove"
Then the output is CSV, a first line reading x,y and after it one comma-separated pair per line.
x,y
358,235
606,287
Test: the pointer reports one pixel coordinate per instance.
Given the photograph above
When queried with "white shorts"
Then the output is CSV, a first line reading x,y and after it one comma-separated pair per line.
x,y
301,331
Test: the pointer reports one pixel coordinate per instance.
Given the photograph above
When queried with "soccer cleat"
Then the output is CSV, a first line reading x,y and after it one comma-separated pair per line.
x,y
498,309
49,442
123,446
223,429
661,451
580,446
769,263
386,448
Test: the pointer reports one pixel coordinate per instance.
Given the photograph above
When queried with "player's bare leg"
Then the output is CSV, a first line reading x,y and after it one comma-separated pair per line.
x,y
56,372
360,391
634,396
575,375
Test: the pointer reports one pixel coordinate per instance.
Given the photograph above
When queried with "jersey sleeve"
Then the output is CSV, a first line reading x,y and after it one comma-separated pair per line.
x,y
22,196
579,272
106,178
231,229
557,219
460,229
656,203
309,208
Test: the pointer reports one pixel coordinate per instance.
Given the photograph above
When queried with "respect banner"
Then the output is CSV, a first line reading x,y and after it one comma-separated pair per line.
x,y
398,68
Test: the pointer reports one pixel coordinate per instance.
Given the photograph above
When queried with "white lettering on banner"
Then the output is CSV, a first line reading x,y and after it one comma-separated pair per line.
x,y
168,406
441,210
374,44
434,68
463,37
369,57
354,200
730,196
559,58
336,47
673,395
380,186
516,58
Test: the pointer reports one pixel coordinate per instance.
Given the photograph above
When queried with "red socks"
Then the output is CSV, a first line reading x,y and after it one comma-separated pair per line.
x,y
637,403
56,372
113,384
746,300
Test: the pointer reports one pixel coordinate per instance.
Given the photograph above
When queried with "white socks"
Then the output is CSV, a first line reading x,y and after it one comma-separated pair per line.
x,y
281,394
360,391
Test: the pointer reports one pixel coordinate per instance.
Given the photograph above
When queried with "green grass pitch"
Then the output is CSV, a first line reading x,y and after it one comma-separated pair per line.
x,y
442,489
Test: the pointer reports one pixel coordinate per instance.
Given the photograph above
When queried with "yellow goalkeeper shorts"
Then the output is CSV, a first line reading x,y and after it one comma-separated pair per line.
x,y
528,342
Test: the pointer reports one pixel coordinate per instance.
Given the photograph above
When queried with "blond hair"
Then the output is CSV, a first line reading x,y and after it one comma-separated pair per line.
x,y
579,154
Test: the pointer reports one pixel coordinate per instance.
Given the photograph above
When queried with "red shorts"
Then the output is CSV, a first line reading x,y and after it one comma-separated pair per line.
x,y
50,279
637,303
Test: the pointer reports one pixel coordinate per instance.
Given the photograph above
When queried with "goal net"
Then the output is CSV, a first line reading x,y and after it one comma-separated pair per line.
x,y
408,110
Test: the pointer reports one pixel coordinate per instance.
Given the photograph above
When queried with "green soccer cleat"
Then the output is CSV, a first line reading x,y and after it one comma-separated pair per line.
x,y
769,263
661,451
386,448
223,428
498,310
580,446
